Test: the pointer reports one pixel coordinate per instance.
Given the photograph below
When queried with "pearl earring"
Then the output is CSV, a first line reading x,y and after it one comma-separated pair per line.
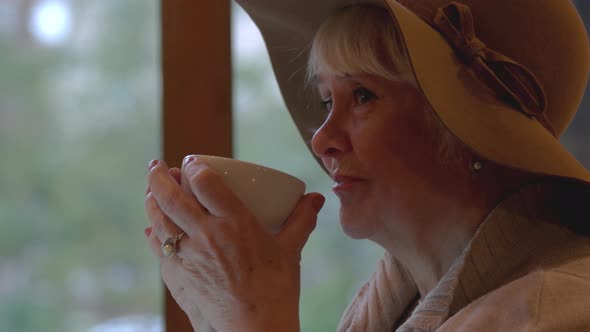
x,y
476,166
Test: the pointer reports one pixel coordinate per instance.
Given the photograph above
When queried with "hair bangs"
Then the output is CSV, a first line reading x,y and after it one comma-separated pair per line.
x,y
359,40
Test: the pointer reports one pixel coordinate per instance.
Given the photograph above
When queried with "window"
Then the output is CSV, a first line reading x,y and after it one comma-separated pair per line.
x,y
79,107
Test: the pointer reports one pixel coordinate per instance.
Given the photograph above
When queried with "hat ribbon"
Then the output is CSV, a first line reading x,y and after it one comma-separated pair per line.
x,y
510,80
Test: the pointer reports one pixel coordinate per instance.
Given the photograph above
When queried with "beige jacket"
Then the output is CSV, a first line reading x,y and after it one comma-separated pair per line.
x,y
522,271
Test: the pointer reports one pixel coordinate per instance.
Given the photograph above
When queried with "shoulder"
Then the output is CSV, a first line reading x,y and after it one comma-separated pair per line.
x,y
550,298
564,297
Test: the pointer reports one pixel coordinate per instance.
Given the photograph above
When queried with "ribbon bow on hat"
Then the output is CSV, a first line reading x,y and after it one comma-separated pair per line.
x,y
508,79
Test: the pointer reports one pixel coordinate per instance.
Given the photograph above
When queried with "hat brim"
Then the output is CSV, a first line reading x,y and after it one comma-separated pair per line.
x,y
491,128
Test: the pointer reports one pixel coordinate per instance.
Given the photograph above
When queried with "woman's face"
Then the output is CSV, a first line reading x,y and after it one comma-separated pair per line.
x,y
375,145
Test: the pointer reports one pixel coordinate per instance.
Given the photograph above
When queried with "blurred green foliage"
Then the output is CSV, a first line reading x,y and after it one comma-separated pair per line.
x,y
78,124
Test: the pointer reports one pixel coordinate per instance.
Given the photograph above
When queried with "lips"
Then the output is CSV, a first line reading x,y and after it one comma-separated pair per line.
x,y
346,184
345,175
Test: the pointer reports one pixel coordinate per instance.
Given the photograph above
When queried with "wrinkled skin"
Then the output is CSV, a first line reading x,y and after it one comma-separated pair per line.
x,y
228,274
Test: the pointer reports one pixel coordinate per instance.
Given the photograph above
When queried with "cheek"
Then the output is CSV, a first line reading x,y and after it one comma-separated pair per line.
x,y
389,129
384,150
397,144
394,158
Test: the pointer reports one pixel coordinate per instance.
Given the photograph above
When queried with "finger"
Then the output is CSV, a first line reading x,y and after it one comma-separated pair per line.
x,y
179,206
167,263
301,223
175,276
175,172
211,191
177,259
155,246
187,251
187,289
162,226
184,183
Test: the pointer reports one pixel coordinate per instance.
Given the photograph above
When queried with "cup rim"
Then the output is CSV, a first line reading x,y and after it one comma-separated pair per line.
x,y
250,164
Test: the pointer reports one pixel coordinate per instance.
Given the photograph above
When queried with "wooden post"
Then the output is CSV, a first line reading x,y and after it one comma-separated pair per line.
x,y
196,90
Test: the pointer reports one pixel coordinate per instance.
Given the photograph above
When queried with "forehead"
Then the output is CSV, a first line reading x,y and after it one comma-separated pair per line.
x,y
324,78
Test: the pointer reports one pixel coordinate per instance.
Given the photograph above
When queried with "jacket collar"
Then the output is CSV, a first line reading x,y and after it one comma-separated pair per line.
x,y
525,231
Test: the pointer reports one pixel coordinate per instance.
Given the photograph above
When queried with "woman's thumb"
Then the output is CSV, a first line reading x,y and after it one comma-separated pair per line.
x,y
301,223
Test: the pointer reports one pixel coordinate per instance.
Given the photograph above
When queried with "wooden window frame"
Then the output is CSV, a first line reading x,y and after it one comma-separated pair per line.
x,y
196,93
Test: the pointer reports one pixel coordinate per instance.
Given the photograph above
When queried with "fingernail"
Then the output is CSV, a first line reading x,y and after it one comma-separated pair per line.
x,y
147,231
188,160
318,203
153,164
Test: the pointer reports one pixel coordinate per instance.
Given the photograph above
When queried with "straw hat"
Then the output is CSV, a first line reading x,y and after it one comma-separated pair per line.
x,y
533,54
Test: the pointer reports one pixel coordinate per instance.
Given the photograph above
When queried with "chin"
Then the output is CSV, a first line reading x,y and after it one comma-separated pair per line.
x,y
356,227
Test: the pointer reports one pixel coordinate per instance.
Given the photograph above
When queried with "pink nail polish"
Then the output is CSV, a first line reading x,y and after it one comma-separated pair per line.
x,y
153,164
147,231
188,160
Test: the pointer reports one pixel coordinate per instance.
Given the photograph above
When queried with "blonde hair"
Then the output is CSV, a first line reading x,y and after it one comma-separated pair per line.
x,y
360,39
364,39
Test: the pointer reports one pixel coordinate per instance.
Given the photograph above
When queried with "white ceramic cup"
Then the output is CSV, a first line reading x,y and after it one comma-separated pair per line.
x,y
270,194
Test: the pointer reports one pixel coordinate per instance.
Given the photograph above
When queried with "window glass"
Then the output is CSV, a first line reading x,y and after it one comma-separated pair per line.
x,y
79,110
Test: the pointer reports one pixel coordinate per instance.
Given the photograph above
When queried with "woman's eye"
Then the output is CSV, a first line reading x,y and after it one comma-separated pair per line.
x,y
362,96
327,103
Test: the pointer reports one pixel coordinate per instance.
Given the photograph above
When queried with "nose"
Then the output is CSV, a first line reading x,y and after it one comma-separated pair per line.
x,y
331,138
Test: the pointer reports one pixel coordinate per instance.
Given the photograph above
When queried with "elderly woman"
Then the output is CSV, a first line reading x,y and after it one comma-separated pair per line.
x,y
439,123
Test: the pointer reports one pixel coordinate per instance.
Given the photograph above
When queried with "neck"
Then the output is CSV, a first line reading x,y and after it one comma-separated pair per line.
x,y
444,221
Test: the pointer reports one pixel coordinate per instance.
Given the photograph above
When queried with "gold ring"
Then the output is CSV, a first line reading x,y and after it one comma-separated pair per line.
x,y
169,246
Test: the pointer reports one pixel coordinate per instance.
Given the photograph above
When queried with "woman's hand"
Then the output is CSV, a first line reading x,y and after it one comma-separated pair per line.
x,y
227,267
166,264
